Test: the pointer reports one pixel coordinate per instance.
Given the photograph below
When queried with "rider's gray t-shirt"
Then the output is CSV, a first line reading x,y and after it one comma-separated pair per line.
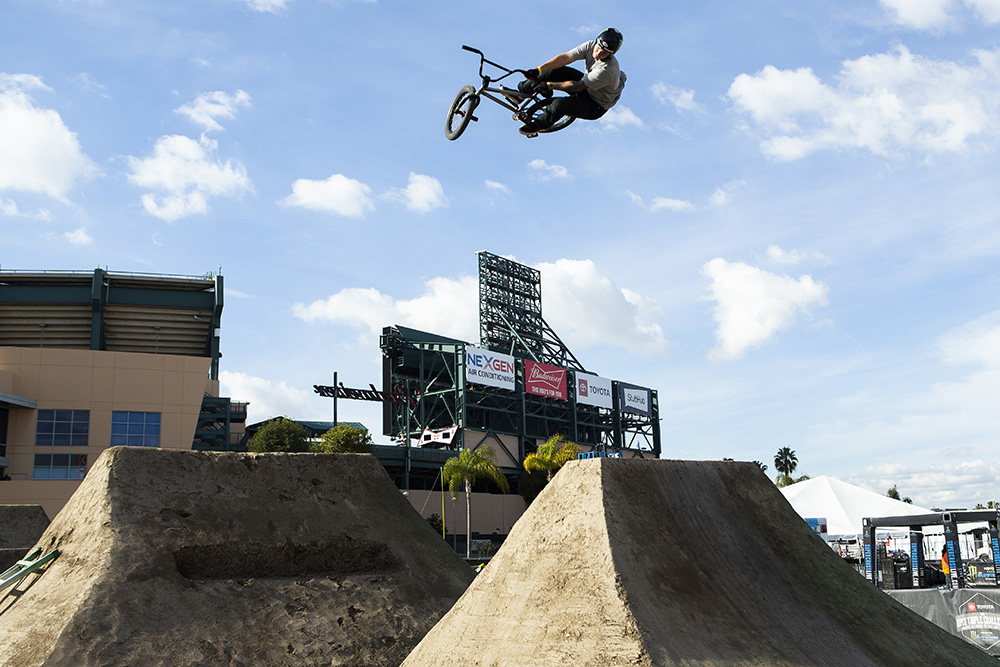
x,y
603,78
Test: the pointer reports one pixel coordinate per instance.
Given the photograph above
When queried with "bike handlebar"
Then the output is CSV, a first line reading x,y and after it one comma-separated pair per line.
x,y
483,60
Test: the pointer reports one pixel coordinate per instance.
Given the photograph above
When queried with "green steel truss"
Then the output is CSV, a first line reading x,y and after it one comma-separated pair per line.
x,y
510,313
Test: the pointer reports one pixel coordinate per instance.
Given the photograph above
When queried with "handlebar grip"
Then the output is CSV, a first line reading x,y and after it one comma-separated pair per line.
x,y
469,48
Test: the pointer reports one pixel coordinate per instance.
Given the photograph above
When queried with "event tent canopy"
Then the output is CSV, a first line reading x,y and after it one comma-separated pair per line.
x,y
843,505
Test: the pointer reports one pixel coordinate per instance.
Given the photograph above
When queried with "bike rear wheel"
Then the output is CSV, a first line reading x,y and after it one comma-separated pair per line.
x,y
531,114
460,113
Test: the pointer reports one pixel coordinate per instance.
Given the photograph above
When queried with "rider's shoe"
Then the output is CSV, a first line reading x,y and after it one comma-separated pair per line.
x,y
529,129
513,99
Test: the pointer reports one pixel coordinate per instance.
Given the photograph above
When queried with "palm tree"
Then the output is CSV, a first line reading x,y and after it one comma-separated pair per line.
x,y
467,467
553,454
785,462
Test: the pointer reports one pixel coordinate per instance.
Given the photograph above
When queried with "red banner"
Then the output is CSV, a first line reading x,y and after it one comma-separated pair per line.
x,y
544,380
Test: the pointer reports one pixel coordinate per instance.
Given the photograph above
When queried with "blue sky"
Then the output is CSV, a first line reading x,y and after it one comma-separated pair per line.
x,y
788,226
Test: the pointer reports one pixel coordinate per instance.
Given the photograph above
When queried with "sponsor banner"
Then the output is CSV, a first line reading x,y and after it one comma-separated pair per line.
x,y
973,614
444,436
371,394
545,380
593,390
489,368
634,399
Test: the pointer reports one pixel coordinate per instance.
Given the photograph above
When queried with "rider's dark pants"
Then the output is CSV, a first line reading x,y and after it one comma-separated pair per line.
x,y
579,104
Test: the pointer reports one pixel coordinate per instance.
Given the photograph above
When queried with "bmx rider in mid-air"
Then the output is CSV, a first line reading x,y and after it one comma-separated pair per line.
x,y
591,93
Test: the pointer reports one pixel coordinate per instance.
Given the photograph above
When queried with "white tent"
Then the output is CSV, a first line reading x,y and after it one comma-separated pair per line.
x,y
843,505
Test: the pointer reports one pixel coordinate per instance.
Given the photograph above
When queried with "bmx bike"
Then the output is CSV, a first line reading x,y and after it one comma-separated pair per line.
x,y
526,106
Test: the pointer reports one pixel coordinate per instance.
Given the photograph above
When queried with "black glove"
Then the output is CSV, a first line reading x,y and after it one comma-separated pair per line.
x,y
531,74
540,87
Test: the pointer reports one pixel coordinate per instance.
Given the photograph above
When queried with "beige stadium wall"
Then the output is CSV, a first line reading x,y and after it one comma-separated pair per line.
x,y
100,382
491,512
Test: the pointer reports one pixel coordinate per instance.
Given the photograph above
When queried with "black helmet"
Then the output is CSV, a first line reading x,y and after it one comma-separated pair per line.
x,y
610,40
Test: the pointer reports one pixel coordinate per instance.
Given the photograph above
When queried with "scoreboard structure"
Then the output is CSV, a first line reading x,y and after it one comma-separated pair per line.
x,y
516,388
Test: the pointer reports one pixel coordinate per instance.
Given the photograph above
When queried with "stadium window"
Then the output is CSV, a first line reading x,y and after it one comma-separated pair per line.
x,y
60,467
62,428
135,429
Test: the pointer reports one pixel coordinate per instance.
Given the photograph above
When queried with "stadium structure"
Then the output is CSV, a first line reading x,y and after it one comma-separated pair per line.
x,y
516,388
94,359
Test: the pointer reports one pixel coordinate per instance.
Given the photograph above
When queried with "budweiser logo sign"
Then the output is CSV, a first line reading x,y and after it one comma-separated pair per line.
x,y
553,378
544,380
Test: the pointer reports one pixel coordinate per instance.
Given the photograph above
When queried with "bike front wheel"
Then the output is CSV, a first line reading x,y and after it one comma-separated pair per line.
x,y
460,113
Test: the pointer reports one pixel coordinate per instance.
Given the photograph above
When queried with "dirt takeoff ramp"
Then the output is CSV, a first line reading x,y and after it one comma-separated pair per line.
x,y
632,562
192,558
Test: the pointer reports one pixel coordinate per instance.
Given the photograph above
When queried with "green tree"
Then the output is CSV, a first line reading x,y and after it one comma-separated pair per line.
x,y
990,505
465,469
344,438
552,455
762,466
785,463
894,494
436,522
280,435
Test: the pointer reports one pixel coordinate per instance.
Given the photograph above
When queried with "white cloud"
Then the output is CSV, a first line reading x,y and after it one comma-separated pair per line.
x,y
38,153
661,203
941,484
780,256
884,104
724,195
269,6
679,98
987,10
977,343
920,14
496,186
447,307
585,308
668,204
422,195
89,84
620,117
207,107
271,399
752,305
337,194
940,14
8,207
184,170
545,171
79,237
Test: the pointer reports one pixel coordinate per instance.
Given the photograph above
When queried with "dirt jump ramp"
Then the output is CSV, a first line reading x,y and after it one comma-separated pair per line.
x,y
196,558
633,562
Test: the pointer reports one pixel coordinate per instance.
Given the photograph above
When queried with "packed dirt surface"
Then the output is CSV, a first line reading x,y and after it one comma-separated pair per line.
x,y
635,562
20,528
196,558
